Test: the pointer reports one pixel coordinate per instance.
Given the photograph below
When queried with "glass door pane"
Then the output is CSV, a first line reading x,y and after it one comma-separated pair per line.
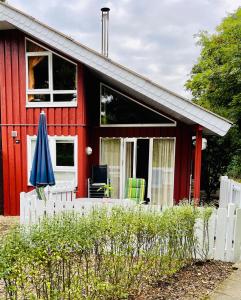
x,y
129,161
110,156
163,160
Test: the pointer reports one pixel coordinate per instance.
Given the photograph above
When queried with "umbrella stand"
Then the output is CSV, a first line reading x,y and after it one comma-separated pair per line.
x,y
40,193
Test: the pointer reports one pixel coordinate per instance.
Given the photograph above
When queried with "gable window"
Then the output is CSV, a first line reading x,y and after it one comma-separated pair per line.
x,y
51,79
63,151
117,109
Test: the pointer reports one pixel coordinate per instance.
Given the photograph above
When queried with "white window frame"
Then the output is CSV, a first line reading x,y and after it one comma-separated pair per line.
x,y
52,148
173,124
50,91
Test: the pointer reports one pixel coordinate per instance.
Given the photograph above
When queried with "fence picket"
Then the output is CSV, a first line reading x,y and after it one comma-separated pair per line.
x,y
230,232
230,192
220,234
211,234
199,235
237,236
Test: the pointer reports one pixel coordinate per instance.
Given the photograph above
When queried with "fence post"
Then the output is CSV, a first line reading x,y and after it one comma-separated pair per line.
x,y
237,236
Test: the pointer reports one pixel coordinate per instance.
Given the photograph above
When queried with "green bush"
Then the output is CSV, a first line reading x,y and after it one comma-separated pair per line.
x,y
103,255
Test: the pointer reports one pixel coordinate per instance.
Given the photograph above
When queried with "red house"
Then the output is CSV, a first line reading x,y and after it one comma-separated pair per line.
x,y
136,127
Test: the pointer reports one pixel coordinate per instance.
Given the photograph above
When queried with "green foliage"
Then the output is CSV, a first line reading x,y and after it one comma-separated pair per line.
x,y
216,79
103,255
234,168
107,189
215,83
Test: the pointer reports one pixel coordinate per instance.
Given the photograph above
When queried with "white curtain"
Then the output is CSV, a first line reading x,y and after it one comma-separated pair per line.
x,y
163,172
110,156
129,160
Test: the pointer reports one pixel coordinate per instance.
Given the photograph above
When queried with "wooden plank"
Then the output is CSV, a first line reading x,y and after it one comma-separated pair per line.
x,y
223,191
211,234
237,236
22,208
58,120
50,120
220,234
230,232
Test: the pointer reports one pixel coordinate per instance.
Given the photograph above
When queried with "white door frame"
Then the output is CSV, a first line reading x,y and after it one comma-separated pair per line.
x,y
150,168
123,165
123,142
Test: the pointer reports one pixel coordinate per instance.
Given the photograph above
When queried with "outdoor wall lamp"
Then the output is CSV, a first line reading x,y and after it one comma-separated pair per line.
x,y
204,142
88,150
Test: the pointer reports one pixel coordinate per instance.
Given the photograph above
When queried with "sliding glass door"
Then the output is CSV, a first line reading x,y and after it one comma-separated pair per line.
x,y
150,158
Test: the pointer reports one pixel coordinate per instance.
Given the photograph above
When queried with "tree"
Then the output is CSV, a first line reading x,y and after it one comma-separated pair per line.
x,y
215,83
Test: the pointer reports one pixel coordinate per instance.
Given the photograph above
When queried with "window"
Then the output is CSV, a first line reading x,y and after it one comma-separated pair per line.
x,y
63,151
51,79
116,109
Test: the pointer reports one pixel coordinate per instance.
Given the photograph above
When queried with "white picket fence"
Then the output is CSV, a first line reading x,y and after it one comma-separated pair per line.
x,y
230,192
223,234
223,229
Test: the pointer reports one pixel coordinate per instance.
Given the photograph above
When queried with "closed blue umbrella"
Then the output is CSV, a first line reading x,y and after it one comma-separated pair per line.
x,y
42,170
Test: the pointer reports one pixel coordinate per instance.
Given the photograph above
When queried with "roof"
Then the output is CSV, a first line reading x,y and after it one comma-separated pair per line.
x,y
136,85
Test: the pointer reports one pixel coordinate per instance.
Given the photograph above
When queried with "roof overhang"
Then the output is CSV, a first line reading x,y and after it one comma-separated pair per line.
x,y
136,85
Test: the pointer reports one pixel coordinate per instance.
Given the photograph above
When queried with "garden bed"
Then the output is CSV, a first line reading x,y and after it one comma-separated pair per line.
x,y
196,281
109,254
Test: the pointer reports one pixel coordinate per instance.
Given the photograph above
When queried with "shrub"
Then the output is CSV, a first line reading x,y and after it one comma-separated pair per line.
x,y
103,255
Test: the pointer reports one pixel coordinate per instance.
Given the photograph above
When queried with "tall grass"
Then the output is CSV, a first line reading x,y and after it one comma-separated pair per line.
x,y
103,255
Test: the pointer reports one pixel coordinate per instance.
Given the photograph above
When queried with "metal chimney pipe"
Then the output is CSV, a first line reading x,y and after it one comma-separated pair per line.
x,y
105,31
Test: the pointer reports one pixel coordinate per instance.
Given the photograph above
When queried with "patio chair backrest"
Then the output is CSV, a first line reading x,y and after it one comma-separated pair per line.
x,y
136,189
99,174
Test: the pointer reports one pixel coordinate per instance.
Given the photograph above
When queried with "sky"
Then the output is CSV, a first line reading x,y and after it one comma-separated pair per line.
x,y
154,38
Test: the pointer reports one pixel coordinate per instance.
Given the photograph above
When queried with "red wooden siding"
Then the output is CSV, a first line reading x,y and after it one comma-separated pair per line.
x,y
183,157
64,121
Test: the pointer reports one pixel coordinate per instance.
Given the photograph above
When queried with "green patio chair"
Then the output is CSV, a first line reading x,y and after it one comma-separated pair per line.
x,y
136,189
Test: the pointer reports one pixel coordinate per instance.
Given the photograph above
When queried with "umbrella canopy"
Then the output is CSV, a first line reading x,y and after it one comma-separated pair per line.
x,y
42,170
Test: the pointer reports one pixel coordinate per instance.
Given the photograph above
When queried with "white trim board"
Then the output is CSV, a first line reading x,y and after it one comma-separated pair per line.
x,y
183,109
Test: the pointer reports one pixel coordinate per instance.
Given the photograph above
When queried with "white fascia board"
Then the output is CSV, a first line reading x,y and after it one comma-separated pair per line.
x,y
93,59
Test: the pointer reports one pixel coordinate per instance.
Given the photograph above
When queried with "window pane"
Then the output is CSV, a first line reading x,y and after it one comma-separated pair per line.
x,y
64,153
64,97
38,74
118,109
32,47
110,155
64,74
33,145
39,98
163,162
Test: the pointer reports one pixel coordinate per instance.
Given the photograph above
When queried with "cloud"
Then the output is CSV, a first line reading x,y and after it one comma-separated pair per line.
x,y
154,38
